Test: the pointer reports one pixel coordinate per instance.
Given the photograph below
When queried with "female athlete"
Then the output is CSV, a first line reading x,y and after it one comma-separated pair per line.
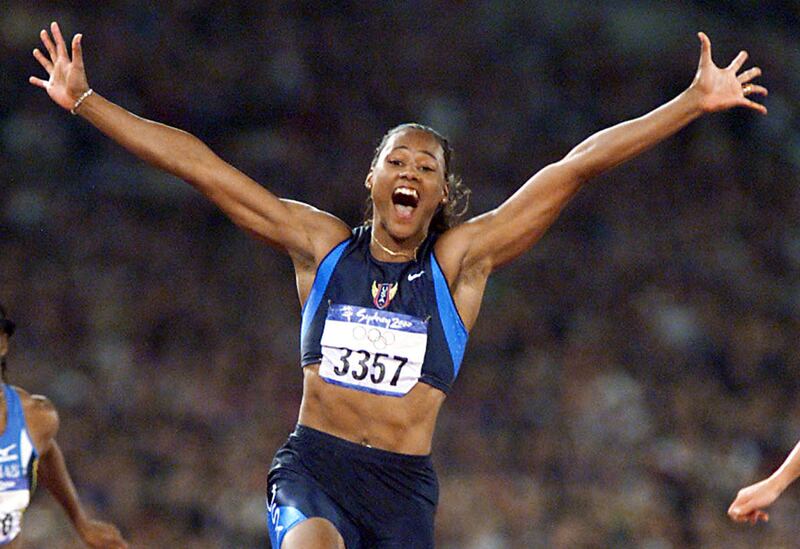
x,y
386,307
29,452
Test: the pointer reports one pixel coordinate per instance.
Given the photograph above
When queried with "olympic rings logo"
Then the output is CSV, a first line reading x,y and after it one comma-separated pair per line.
x,y
378,338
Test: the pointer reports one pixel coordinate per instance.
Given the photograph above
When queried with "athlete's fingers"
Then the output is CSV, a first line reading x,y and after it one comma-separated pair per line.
x,y
750,89
749,74
705,48
755,106
43,61
77,51
61,47
738,61
755,516
738,513
38,82
48,44
738,517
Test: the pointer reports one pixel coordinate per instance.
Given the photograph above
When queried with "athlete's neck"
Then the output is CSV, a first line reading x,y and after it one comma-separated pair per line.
x,y
407,254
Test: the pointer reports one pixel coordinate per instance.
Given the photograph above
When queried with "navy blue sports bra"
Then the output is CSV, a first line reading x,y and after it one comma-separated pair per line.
x,y
380,327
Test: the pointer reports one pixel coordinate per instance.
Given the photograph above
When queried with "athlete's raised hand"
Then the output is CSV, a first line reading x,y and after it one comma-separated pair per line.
x,y
750,501
722,89
67,77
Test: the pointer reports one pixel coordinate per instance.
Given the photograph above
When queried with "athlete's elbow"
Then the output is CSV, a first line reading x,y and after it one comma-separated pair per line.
x,y
575,169
190,160
588,161
202,172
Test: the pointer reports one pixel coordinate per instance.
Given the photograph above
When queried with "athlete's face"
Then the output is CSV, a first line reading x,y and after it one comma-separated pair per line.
x,y
407,183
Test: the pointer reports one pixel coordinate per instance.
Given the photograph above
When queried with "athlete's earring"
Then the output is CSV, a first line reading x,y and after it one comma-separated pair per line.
x,y
368,180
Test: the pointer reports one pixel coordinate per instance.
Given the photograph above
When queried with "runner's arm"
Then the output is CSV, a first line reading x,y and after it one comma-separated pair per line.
x,y
495,238
52,473
302,231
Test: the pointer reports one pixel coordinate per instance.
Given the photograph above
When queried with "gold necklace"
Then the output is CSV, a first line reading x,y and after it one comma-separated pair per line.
x,y
412,256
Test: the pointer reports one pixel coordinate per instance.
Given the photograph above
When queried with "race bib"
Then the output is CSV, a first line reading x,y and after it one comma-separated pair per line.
x,y
371,350
12,504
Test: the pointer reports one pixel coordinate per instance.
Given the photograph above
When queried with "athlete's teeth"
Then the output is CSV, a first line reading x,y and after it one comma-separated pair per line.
x,y
409,192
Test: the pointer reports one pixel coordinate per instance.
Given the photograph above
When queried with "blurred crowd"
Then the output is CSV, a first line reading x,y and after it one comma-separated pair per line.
x,y
625,377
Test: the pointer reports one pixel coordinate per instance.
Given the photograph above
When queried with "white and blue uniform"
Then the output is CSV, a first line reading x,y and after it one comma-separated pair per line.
x,y
17,468
380,328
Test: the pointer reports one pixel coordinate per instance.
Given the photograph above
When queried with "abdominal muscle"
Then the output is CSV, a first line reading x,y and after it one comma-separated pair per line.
x,y
399,424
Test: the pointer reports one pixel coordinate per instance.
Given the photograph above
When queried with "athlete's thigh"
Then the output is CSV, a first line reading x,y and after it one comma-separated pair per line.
x,y
302,496
313,533
300,515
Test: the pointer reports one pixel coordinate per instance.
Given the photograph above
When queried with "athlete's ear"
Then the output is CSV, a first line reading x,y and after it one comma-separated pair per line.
x,y
446,193
368,181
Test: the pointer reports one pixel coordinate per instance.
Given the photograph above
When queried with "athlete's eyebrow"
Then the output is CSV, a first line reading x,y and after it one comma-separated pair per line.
x,y
421,150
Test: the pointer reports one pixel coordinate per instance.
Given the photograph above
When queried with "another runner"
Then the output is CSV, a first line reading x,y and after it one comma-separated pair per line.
x,y
29,452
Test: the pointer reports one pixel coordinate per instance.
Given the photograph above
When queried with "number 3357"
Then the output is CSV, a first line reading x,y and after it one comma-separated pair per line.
x,y
360,364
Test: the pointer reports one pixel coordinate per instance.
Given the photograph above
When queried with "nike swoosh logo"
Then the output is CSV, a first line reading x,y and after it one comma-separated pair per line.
x,y
413,277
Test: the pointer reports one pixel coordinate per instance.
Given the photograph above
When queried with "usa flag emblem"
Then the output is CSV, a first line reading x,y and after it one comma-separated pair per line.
x,y
383,293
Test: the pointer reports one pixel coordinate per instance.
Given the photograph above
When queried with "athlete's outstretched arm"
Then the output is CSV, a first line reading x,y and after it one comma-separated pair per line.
x,y
304,232
42,419
497,237
751,500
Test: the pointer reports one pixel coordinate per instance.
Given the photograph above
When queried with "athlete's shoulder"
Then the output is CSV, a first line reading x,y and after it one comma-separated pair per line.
x,y
38,402
314,232
41,415
455,251
358,237
320,224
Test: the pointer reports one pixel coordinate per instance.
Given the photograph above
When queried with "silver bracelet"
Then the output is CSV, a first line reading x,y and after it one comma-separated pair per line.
x,y
81,99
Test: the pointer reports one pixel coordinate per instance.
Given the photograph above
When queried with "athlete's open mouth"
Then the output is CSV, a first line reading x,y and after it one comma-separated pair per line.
x,y
405,200
404,196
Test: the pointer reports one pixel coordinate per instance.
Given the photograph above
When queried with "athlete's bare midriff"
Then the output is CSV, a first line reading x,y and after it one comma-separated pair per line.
x,y
399,424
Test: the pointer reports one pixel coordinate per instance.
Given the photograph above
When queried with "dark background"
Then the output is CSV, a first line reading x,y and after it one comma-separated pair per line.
x,y
626,376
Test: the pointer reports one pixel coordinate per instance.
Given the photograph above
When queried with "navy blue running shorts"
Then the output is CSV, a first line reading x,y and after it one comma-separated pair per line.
x,y
374,498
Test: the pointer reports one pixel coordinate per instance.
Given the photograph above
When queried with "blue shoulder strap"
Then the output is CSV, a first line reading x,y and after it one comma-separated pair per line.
x,y
455,333
14,419
324,272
